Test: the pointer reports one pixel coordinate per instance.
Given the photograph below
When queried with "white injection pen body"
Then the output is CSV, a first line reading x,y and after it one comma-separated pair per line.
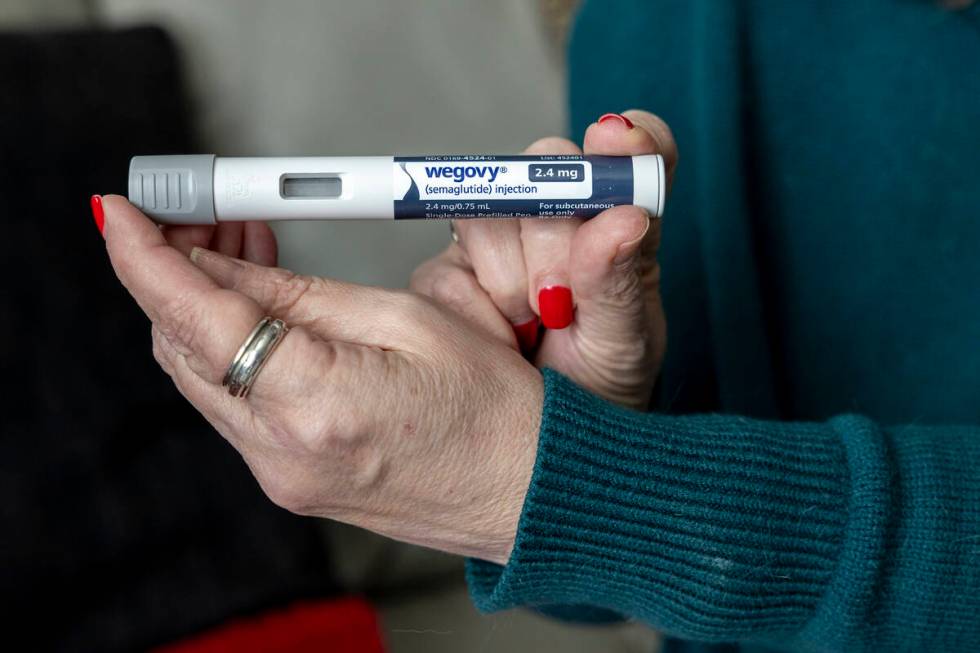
x,y
205,189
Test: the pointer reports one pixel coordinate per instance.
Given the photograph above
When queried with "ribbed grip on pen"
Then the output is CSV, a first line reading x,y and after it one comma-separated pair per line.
x,y
175,189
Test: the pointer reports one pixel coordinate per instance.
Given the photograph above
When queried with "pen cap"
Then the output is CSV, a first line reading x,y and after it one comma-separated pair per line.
x,y
650,183
174,189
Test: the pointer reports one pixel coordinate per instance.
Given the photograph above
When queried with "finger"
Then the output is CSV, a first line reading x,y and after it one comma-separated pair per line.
x,y
329,321
619,316
632,133
184,238
213,402
450,282
605,241
227,238
333,310
205,322
259,244
493,247
606,277
230,416
616,276
545,244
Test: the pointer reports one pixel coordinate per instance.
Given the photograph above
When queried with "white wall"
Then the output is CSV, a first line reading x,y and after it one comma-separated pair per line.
x,y
363,77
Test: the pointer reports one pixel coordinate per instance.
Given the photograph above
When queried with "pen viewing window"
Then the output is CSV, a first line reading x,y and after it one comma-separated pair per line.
x,y
310,186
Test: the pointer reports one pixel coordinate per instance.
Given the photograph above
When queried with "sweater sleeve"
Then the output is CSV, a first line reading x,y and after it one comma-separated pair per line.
x,y
837,535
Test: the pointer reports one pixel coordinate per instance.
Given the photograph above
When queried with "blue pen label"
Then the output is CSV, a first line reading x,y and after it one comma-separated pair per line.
x,y
560,186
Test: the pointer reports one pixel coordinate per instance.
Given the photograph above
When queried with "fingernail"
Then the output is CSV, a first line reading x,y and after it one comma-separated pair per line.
x,y
197,253
555,305
616,117
98,213
527,334
628,249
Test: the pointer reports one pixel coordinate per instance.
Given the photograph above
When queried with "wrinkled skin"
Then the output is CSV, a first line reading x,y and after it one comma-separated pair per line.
x,y
412,414
493,274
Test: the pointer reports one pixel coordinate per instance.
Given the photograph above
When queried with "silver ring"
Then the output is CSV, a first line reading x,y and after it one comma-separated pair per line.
x,y
252,355
452,231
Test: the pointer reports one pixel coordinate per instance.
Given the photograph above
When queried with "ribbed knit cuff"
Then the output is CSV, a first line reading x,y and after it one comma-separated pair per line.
x,y
708,527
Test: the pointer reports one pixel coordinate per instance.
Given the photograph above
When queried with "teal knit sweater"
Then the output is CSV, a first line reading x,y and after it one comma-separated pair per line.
x,y
810,479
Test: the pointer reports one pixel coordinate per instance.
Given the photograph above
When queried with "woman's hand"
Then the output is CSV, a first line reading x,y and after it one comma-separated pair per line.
x,y
503,274
380,408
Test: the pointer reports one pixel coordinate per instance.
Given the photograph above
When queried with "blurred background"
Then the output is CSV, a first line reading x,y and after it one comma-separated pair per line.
x,y
127,524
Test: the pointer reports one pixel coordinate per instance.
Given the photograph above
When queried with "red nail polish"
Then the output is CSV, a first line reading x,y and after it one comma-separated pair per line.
x,y
527,334
555,304
98,213
616,116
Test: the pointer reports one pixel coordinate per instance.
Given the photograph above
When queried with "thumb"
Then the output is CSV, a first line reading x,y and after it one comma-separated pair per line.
x,y
615,279
605,260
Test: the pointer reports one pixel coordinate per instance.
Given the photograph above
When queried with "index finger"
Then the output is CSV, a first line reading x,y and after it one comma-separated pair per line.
x,y
204,322
202,326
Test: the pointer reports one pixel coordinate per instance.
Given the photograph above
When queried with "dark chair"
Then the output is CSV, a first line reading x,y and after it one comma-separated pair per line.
x,y
125,520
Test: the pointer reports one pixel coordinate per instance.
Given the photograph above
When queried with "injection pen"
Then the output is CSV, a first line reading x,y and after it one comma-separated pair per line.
x,y
205,189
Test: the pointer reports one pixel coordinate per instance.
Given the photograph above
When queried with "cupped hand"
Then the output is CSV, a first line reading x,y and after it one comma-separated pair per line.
x,y
380,408
594,284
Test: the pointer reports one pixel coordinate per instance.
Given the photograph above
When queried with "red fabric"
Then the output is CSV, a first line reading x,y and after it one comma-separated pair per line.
x,y
336,626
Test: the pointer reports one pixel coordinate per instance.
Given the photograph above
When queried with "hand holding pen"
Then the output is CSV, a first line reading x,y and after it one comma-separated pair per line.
x,y
594,284
412,417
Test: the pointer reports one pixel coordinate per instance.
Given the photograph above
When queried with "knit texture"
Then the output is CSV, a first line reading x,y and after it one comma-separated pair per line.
x,y
809,479
804,536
